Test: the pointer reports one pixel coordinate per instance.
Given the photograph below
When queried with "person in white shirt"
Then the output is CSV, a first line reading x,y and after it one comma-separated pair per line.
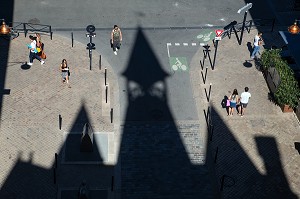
x,y
33,52
257,42
244,99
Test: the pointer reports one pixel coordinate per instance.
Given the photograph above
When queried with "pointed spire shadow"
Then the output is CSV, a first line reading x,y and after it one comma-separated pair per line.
x,y
154,161
146,84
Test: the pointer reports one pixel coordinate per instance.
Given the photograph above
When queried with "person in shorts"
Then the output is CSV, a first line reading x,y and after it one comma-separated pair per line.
x,y
116,39
244,99
233,101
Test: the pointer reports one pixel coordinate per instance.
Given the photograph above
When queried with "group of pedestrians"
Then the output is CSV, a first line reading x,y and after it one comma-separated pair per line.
x,y
234,102
36,51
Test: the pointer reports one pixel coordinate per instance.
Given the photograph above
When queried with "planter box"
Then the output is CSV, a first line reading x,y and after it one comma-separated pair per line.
x,y
286,109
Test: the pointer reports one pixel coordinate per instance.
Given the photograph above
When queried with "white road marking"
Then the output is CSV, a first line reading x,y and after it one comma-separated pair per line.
x,y
177,44
185,44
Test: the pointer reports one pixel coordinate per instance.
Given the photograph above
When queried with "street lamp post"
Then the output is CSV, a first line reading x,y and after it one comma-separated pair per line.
x,y
90,46
294,29
244,9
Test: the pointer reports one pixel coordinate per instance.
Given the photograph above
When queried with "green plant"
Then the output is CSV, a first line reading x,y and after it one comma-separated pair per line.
x,y
269,58
288,92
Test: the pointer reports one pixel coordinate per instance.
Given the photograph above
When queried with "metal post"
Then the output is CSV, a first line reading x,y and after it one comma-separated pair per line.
x,y
59,121
56,160
106,92
50,32
111,115
100,62
216,48
105,75
72,39
90,52
241,38
25,31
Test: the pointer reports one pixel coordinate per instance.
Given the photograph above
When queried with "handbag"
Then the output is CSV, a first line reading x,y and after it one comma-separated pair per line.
x,y
228,103
43,55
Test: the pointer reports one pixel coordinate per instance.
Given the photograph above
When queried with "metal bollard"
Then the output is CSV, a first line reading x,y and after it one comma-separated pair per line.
x,y
106,92
59,121
105,76
111,115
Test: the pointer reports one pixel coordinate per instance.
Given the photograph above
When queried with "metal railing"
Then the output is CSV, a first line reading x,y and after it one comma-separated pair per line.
x,y
31,28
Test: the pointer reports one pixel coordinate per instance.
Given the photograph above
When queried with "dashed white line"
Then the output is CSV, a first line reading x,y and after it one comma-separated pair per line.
x,y
185,44
177,44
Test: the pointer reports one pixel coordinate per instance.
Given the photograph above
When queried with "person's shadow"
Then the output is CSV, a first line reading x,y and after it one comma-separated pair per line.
x,y
224,104
250,48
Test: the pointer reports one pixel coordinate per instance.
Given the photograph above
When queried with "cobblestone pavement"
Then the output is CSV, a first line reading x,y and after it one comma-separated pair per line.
x,y
256,153
30,133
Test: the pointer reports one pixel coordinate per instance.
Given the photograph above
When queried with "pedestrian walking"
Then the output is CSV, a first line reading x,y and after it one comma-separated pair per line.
x,y
244,99
33,54
233,101
116,39
65,72
40,46
257,43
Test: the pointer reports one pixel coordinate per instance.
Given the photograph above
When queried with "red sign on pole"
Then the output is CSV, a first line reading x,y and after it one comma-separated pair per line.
x,y
219,32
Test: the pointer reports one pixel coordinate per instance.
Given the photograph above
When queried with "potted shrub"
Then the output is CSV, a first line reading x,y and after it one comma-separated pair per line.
x,y
287,93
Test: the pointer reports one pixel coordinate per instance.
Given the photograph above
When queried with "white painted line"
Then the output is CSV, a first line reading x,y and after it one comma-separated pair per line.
x,y
202,44
168,44
194,44
177,44
185,44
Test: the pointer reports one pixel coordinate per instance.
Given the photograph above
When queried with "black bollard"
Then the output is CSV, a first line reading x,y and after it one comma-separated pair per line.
x,y
105,76
59,121
56,160
72,37
106,92
100,59
111,115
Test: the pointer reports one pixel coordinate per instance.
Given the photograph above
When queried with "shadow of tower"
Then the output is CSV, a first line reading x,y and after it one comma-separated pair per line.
x,y
154,161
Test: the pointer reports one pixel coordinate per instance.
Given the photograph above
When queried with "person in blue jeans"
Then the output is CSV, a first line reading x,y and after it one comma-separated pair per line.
x,y
33,52
257,42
